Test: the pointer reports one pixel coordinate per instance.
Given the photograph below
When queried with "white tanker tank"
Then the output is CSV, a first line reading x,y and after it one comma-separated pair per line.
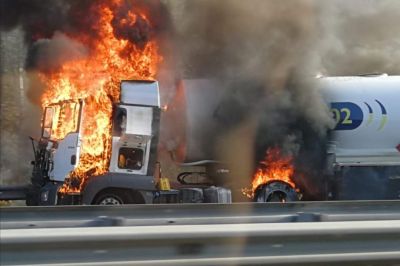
x,y
367,114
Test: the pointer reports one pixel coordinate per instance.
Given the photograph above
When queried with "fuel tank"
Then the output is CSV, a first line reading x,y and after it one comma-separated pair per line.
x,y
367,114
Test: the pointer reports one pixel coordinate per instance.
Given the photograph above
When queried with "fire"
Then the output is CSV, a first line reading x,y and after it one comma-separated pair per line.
x,y
275,167
95,79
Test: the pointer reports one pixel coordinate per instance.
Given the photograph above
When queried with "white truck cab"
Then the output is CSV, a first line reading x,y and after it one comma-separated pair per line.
x,y
134,142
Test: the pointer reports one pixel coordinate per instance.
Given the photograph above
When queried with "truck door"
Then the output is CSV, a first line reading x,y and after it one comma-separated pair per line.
x,y
61,126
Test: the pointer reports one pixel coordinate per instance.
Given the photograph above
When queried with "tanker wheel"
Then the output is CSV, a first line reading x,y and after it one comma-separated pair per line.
x,y
113,197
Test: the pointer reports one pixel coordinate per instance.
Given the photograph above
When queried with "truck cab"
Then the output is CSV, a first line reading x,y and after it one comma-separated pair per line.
x,y
135,130
129,178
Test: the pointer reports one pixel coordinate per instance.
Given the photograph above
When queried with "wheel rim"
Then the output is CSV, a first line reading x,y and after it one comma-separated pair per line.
x,y
110,201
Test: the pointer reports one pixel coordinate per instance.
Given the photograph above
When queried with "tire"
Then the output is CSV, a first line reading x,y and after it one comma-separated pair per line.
x,y
113,197
276,191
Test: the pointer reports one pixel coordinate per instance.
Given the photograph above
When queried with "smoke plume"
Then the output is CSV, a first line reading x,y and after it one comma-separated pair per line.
x,y
264,52
359,37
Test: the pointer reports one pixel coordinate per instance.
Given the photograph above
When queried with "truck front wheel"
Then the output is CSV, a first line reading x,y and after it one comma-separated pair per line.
x,y
113,197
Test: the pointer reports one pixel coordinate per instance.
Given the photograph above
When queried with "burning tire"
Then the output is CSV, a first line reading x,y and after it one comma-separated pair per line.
x,y
276,191
113,197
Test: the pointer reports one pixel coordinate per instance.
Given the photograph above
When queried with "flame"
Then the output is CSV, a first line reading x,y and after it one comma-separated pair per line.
x,y
165,107
275,167
95,79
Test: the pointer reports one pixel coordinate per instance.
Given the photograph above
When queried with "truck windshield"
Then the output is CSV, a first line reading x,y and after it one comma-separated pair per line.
x,y
47,122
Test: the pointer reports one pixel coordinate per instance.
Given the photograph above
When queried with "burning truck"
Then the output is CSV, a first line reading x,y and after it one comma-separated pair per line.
x,y
366,135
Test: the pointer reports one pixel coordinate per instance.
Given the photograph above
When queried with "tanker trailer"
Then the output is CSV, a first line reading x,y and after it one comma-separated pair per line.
x,y
366,139
367,131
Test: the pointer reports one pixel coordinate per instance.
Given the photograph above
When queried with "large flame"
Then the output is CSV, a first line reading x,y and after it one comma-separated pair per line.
x,y
275,167
96,79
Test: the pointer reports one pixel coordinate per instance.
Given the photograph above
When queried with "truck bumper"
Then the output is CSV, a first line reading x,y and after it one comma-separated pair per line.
x,y
48,194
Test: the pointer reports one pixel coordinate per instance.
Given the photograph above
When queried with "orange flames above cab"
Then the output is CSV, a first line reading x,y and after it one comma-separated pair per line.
x,y
95,79
275,167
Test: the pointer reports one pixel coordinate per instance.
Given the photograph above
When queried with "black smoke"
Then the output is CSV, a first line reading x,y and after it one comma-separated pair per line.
x,y
42,21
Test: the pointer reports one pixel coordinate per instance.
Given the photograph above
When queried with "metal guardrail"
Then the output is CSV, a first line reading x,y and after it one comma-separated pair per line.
x,y
13,192
302,233
326,243
192,214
